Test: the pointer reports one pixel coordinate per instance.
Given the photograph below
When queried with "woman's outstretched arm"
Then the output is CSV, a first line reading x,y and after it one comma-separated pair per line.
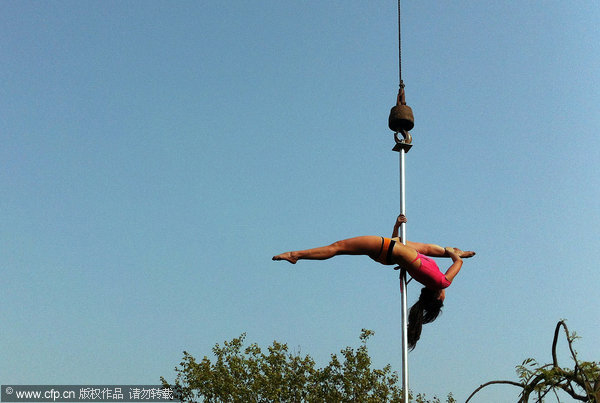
x,y
399,221
456,263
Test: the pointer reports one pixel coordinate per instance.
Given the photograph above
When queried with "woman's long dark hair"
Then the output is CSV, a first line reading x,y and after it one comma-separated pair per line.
x,y
425,310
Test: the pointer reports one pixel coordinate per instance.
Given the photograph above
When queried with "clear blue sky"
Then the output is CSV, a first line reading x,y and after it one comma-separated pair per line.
x,y
155,155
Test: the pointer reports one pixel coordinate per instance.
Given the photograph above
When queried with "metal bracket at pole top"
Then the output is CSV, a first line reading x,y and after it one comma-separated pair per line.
x,y
404,144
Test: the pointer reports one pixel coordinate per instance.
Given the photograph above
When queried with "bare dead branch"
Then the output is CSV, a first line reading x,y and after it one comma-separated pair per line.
x,y
586,382
520,385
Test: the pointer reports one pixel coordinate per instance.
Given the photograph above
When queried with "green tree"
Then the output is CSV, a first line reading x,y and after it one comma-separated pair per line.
x,y
581,383
248,374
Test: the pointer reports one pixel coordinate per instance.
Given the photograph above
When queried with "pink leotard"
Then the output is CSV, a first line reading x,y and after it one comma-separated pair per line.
x,y
429,273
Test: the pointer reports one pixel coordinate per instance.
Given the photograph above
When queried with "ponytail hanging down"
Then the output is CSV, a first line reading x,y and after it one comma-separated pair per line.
x,y
425,310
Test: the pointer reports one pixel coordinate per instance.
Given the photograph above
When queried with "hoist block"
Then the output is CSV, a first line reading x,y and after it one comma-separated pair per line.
x,y
401,118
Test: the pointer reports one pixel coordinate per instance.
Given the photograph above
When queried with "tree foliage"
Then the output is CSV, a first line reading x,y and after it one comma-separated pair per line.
x,y
536,381
250,374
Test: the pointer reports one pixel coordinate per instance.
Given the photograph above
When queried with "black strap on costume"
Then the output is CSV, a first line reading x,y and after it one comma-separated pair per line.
x,y
388,258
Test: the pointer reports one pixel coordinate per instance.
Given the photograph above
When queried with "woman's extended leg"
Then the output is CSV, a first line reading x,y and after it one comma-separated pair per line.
x,y
362,245
429,249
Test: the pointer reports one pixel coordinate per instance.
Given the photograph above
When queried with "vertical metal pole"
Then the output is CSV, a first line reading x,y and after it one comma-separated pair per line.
x,y
403,285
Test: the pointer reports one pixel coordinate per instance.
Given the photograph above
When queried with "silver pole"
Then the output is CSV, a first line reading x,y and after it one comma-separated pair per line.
x,y
403,286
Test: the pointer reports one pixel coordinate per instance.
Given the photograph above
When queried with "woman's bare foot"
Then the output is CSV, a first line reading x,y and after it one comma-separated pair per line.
x,y
464,254
286,256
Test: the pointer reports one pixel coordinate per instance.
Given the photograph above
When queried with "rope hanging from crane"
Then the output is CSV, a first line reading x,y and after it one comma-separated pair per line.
x,y
401,118
400,49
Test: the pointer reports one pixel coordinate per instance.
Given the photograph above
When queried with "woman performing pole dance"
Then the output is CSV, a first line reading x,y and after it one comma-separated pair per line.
x,y
414,257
